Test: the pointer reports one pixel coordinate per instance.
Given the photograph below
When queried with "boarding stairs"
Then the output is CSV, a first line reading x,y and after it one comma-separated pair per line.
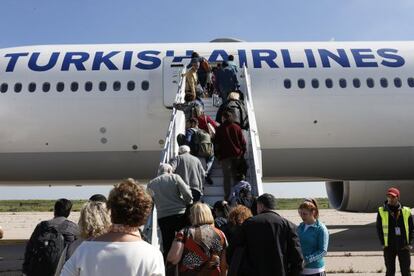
x,y
215,192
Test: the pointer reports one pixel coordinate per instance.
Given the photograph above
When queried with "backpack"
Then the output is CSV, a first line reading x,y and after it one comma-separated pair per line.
x,y
202,141
47,248
239,110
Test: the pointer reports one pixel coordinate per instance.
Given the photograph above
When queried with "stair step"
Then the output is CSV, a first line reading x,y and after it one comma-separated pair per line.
x,y
213,190
217,181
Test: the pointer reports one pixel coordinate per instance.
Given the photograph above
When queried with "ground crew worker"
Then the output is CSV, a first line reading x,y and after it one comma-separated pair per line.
x,y
395,231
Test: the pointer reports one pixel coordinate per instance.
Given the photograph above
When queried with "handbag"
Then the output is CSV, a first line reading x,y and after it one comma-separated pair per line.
x,y
211,129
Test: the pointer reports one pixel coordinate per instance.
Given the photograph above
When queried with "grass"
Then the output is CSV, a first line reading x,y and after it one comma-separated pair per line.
x,y
293,203
47,205
34,205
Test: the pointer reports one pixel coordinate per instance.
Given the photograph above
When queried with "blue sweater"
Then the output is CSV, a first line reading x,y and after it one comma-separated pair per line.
x,y
314,242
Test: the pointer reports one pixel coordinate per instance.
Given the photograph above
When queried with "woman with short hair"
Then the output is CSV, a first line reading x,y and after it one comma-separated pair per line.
x,y
94,220
314,238
200,248
121,251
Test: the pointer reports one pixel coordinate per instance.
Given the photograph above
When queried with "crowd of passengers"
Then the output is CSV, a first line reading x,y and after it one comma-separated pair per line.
x,y
210,139
225,239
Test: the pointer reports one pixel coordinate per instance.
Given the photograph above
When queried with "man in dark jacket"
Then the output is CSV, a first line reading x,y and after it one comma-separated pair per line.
x,y
69,230
395,232
229,148
227,80
271,244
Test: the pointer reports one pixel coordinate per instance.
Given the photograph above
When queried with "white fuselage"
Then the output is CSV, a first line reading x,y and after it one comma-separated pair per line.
x,y
314,132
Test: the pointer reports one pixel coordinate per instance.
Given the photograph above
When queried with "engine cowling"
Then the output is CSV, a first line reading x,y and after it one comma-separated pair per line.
x,y
366,196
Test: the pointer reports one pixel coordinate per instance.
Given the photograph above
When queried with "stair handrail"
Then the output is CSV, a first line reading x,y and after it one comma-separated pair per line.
x,y
170,150
254,134
170,145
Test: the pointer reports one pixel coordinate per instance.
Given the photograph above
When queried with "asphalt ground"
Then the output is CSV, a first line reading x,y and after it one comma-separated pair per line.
x,y
354,248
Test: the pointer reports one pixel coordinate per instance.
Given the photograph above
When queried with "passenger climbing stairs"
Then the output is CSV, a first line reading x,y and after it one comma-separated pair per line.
x,y
214,192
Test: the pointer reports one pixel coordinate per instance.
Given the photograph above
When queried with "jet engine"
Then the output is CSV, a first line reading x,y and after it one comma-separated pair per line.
x,y
366,196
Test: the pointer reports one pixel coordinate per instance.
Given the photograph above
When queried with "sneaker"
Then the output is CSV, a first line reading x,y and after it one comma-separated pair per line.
x,y
209,180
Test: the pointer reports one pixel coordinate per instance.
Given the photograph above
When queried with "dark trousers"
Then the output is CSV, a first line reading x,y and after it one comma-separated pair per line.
x,y
169,226
228,175
403,257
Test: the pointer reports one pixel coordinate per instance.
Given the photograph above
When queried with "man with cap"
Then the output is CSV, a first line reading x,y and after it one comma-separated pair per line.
x,y
395,232
270,242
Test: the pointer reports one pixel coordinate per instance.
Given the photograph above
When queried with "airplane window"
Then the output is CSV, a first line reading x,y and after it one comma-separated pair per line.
x,y
32,87
315,83
301,83
397,82
74,86
18,87
88,86
117,86
145,85
342,83
384,82
287,83
370,83
410,82
329,83
60,86
356,82
46,87
131,85
102,86
4,87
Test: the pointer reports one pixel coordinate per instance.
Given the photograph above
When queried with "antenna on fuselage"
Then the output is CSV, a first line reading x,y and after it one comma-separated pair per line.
x,y
226,39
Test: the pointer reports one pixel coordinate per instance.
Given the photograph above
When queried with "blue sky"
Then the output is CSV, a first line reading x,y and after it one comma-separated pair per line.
x,y
31,22
27,22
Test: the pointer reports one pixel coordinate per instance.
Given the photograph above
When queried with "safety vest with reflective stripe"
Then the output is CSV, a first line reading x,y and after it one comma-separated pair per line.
x,y
406,212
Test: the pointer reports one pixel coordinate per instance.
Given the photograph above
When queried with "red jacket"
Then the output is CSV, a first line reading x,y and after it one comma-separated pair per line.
x,y
229,141
203,120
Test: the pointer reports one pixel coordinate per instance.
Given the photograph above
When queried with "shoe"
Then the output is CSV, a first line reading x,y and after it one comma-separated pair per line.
x,y
209,180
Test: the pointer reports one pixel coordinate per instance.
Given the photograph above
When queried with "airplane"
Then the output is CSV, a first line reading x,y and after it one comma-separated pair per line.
x,y
339,112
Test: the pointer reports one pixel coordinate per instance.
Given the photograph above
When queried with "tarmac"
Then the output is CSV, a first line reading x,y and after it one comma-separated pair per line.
x,y
354,248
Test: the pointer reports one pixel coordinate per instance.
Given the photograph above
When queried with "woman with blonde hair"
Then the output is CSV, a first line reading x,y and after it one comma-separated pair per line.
x,y
200,248
120,251
94,221
314,238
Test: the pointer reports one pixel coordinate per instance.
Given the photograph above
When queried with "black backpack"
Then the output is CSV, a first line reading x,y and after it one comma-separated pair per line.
x,y
46,249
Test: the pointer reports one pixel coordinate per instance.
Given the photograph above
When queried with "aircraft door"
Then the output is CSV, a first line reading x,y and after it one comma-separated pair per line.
x,y
171,78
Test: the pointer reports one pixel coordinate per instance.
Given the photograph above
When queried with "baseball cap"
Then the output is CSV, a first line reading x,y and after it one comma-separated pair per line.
x,y
393,191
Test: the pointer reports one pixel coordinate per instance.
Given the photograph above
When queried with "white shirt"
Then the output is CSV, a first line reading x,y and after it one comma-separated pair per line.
x,y
136,258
